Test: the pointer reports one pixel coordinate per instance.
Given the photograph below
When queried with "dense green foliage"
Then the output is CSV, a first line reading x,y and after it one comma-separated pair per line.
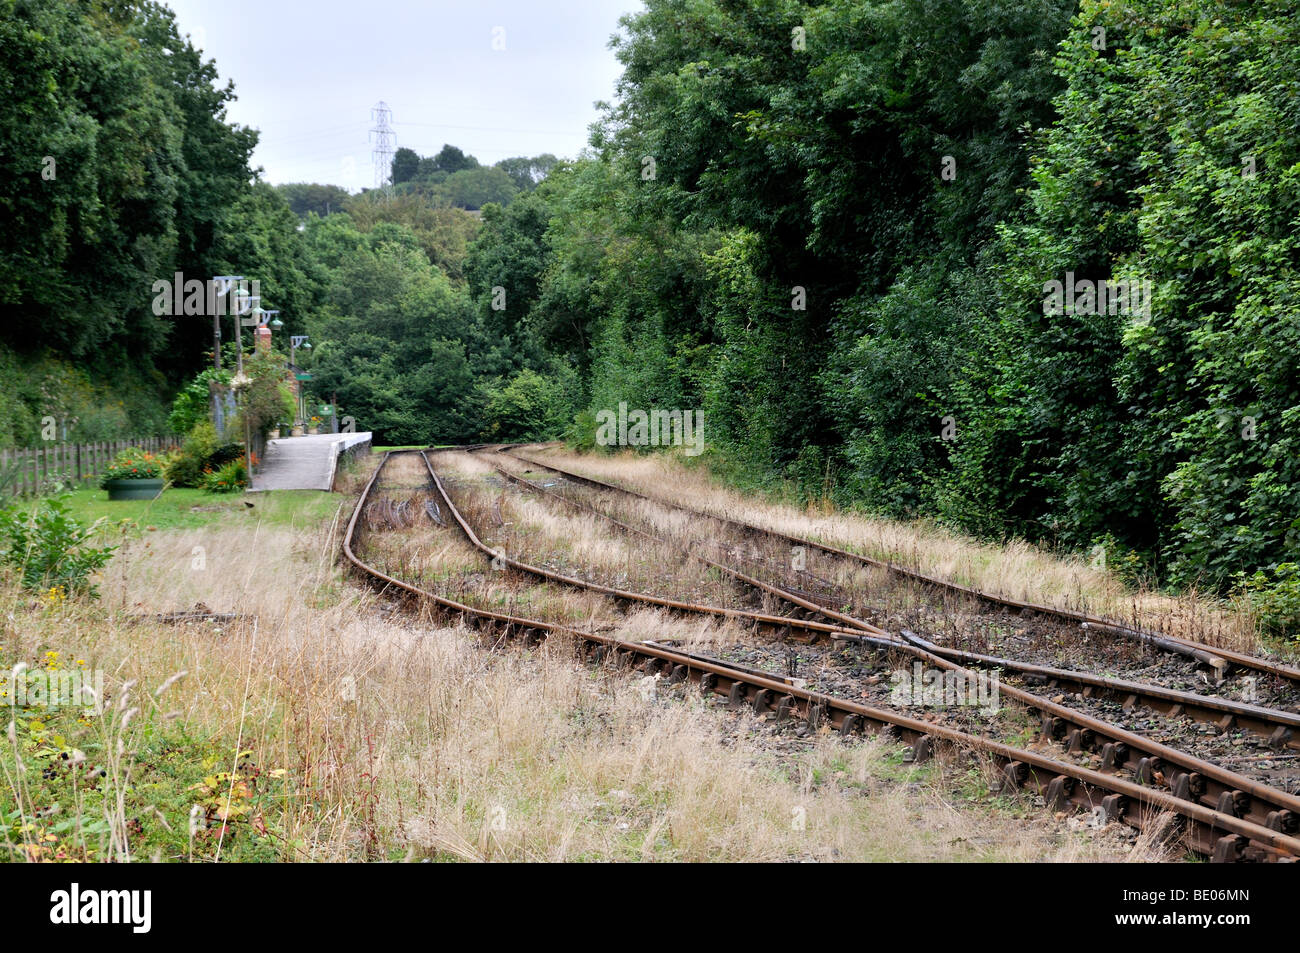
x,y
50,549
45,396
202,451
455,179
116,168
831,227
311,198
228,478
264,394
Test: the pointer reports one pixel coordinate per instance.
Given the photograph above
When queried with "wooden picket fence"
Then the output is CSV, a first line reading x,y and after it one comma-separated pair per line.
x,y
36,470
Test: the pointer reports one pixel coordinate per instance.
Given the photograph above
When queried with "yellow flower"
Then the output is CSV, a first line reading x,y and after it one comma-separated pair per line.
x,y
54,596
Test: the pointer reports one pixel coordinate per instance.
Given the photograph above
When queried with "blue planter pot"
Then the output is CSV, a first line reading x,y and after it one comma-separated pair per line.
x,y
134,489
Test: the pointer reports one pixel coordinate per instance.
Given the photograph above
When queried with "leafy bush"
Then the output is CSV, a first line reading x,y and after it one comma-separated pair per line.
x,y
230,478
201,452
529,406
191,405
581,434
265,397
186,468
132,464
1275,598
48,546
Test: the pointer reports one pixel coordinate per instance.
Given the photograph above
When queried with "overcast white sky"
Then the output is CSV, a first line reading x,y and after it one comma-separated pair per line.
x,y
307,73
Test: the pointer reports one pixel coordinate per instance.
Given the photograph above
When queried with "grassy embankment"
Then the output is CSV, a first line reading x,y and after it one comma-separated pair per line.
x,y
323,725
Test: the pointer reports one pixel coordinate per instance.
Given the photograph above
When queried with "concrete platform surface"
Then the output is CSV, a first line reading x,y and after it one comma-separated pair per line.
x,y
303,463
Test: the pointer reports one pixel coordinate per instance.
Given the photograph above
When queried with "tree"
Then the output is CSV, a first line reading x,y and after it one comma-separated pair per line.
x,y
394,339
527,172
450,160
406,163
476,187
310,198
117,167
528,407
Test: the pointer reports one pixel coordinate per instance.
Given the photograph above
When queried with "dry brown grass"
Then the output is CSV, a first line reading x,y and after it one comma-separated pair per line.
x,y
1017,569
408,737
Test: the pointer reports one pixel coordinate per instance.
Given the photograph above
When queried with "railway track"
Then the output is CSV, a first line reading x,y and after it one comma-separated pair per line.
x,y
1280,728
1221,835
1218,658
1150,762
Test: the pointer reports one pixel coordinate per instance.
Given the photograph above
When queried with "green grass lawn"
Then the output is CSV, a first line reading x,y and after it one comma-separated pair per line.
x,y
188,509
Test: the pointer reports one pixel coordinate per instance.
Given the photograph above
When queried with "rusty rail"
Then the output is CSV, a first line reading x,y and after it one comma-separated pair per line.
x,y
1220,836
1188,777
1212,655
1281,728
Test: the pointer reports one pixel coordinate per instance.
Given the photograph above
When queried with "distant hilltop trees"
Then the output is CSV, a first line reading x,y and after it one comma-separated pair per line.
x,y
462,181
451,179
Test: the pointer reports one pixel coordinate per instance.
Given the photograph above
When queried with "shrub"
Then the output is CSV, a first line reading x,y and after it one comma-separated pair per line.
x,y
191,405
48,546
1275,598
530,406
186,468
226,453
230,478
264,394
200,452
132,464
581,434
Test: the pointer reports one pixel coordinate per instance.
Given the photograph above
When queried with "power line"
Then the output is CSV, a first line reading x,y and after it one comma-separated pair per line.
x,y
537,132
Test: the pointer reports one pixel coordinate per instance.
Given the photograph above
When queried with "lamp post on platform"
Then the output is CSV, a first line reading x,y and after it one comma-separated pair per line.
x,y
298,341
223,283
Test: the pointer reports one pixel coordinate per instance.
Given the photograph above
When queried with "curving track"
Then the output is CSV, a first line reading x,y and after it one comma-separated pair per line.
x,y
1149,762
1216,657
1281,728
1221,835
